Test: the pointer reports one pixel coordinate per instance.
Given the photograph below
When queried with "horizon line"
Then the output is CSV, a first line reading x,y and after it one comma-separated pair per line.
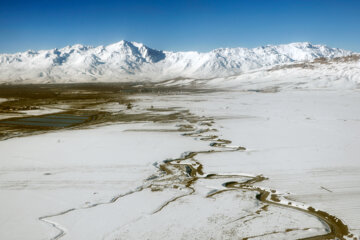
x,y
123,40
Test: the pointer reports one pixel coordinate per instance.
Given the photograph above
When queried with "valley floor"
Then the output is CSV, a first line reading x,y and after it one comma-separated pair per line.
x,y
198,165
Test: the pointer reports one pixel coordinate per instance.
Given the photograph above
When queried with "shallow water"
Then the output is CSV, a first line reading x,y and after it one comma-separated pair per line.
x,y
47,121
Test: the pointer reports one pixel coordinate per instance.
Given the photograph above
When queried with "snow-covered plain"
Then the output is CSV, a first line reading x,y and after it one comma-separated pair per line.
x,y
46,174
305,142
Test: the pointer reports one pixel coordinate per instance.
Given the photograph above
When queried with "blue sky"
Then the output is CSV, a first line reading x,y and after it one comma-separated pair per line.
x,y
178,25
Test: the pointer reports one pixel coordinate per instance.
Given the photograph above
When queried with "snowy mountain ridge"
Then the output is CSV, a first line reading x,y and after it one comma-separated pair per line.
x,y
128,61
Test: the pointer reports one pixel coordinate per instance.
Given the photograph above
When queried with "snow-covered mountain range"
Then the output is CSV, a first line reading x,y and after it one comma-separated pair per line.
x,y
129,61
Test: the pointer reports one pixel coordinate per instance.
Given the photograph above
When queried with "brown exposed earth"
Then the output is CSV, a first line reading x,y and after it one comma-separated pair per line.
x,y
75,101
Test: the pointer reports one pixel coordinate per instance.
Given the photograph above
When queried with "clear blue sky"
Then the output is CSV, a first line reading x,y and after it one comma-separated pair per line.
x,y
178,25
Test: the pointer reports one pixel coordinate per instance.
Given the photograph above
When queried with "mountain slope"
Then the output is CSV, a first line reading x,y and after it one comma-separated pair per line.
x,y
128,61
336,73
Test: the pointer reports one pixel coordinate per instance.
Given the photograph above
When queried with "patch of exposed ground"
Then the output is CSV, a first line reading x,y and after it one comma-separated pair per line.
x,y
76,100
312,65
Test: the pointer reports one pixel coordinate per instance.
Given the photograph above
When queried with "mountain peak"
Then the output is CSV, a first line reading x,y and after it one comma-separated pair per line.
x,y
125,59
122,45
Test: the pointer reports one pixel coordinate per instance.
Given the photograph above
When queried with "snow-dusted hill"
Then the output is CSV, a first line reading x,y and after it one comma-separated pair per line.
x,y
335,73
128,61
